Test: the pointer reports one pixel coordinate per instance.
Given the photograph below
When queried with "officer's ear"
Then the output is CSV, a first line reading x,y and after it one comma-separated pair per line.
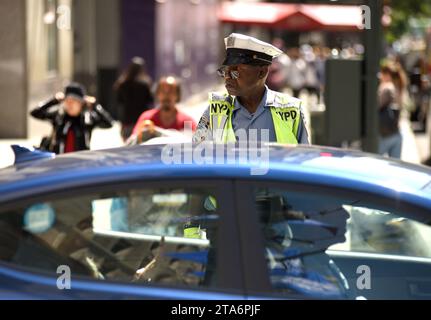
x,y
263,72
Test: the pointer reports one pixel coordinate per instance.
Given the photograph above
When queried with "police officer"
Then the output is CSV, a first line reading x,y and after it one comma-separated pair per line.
x,y
249,104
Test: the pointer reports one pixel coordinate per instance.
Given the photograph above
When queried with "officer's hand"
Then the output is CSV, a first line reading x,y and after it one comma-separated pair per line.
x,y
146,125
146,130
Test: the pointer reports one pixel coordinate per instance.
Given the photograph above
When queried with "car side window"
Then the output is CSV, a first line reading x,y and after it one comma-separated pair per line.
x,y
374,230
296,237
299,227
155,235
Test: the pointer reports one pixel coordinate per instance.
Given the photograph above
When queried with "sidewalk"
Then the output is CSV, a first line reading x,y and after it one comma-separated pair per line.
x,y
415,148
410,151
101,139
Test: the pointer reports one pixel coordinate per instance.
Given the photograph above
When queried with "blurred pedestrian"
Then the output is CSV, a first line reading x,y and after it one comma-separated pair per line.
x,y
277,78
296,72
166,115
401,85
311,78
420,92
390,140
133,95
73,115
320,64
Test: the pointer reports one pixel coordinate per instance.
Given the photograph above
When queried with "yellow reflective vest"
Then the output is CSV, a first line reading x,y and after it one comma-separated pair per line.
x,y
285,110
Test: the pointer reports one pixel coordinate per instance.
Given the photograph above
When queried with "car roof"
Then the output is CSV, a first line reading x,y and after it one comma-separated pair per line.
x,y
311,164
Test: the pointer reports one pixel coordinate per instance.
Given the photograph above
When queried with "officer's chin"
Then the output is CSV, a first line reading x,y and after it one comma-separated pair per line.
x,y
232,91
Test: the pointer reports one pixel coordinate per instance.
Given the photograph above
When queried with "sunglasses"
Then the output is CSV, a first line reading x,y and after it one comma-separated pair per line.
x,y
233,74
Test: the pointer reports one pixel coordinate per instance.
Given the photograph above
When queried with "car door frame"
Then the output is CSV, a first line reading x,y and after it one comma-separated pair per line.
x,y
229,272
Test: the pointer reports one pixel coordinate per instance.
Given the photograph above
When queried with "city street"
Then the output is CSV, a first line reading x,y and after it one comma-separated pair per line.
x,y
415,146
228,150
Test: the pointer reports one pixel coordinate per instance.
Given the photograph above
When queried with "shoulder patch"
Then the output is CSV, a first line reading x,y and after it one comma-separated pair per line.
x,y
218,96
202,131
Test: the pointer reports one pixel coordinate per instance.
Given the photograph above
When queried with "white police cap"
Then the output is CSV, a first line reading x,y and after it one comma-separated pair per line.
x,y
242,49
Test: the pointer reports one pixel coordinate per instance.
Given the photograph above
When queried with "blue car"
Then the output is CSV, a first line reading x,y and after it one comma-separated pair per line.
x,y
214,222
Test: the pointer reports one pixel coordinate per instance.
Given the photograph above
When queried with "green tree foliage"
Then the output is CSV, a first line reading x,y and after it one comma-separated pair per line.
x,y
402,11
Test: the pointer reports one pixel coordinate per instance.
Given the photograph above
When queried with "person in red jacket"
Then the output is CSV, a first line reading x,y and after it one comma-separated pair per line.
x,y
166,115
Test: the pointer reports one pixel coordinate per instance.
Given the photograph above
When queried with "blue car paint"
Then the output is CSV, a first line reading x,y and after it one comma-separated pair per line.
x,y
287,164
197,257
35,286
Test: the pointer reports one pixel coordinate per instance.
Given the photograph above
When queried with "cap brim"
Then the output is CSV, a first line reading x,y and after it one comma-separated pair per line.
x,y
242,56
233,60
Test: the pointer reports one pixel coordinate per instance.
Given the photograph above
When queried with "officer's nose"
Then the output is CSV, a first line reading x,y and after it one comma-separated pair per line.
x,y
227,75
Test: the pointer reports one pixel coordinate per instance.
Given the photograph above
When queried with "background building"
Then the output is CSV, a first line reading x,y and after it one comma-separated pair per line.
x,y
47,43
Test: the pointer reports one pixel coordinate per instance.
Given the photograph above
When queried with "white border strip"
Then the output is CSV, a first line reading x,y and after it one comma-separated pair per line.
x,y
137,236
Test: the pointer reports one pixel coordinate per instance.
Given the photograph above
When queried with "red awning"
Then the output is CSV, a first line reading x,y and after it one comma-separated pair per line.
x,y
298,17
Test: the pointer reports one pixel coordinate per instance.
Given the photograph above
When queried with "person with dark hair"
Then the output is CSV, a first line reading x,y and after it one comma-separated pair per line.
x,y
166,115
296,72
420,91
390,139
133,95
73,115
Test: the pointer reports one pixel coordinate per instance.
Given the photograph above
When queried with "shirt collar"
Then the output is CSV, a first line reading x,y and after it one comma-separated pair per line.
x,y
270,97
263,102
